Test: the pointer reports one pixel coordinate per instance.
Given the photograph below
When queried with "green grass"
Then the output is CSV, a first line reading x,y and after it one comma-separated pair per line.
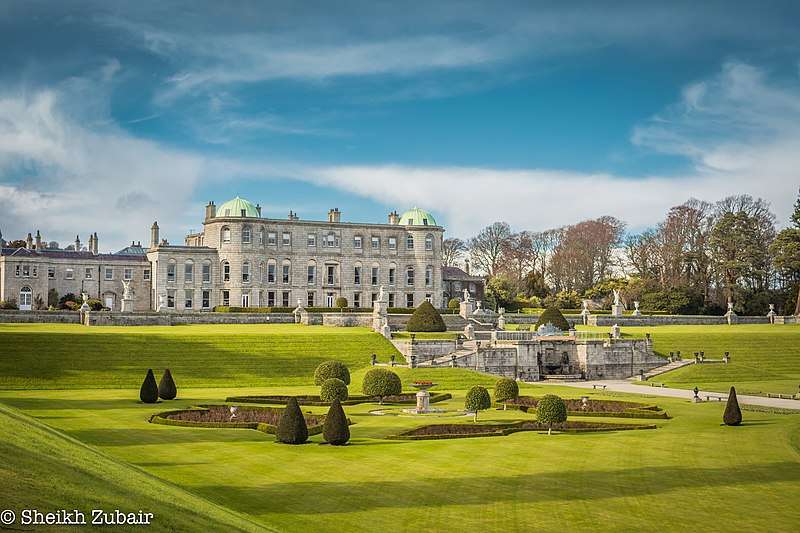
x,y
39,356
426,335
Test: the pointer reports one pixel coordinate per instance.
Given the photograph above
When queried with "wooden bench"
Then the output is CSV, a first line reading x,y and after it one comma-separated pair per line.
x,y
718,398
595,385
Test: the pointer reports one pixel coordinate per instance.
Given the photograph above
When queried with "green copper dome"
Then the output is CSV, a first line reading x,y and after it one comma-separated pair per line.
x,y
417,217
238,207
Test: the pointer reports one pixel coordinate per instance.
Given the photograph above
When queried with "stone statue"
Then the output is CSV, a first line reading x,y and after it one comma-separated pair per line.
x,y
466,295
162,300
127,290
616,296
85,298
381,294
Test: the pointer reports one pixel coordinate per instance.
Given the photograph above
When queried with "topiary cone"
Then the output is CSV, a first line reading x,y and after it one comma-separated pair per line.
x,y
426,318
292,427
149,391
166,387
732,415
335,430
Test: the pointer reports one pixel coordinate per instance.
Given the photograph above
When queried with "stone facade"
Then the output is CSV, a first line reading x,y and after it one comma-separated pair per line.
x,y
455,280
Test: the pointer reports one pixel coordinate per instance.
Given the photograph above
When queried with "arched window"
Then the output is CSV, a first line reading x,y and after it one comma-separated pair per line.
x,y
188,271
428,276
410,276
311,269
225,234
271,271
375,274
429,242
246,272
286,272
392,273
357,273
226,271
247,235
25,299
409,242
171,268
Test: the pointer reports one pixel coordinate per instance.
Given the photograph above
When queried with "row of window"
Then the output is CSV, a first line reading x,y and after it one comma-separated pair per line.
x,y
330,240
272,300
31,271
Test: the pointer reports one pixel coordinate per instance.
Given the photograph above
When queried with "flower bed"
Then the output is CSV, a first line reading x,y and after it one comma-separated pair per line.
x,y
610,408
263,419
464,431
277,399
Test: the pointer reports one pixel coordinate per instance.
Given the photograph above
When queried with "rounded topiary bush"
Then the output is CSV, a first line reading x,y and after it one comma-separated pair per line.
x,y
341,302
426,318
454,303
733,414
381,382
551,410
335,430
166,387
505,389
477,400
292,427
333,389
148,393
331,369
552,315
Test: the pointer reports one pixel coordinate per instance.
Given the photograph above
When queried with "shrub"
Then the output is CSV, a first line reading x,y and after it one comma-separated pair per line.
x,y
166,387
454,303
94,304
732,415
477,400
381,382
340,302
149,391
72,306
331,369
426,318
52,298
335,430
38,303
333,389
69,297
292,427
553,316
11,303
505,389
551,410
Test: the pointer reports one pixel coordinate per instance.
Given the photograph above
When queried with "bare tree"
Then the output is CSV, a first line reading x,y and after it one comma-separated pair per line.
x,y
486,248
585,254
452,251
519,257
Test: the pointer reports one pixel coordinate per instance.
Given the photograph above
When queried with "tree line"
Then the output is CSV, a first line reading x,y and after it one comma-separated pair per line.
x,y
701,256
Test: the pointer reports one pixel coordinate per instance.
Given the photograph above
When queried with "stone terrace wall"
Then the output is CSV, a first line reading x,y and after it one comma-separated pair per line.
x,y
672,320
106,318
48,317
425,350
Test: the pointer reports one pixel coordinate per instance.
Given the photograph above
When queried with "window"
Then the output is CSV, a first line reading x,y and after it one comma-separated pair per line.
x,y
18,270
330,241
272,238
145,274
286,238
391,299
246,235
429,242
312,274
285,271
226,271
375,276
331,274
25,299
428,276
376,242
270,298
109,273
271,273
245,299
310,299
392,271
429,298
127,274
374,297
171,272
188,272
410,276
357,275
87,273
188,296
357,242
69,274
51,272
285,297
410,299
206,272
409,242
226,298
393,243
245,272
357,299
35,272
311,240
171,299
226,234
206,302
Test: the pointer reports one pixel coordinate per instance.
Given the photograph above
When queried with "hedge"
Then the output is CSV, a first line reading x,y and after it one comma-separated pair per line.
x,y
333,389
353,399
331,369
629,413
161,418
425,319
500,430
391,310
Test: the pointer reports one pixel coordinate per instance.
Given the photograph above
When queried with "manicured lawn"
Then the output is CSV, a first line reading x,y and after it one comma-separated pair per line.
x,y
426,335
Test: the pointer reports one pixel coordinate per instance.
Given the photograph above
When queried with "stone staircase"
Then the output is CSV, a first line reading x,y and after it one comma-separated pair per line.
x,y
669,367
468,348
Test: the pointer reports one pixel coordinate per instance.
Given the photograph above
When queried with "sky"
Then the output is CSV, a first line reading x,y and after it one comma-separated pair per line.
x,y
541,114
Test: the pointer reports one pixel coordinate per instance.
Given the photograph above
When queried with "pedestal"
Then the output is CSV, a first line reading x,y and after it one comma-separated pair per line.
x,y
423,401
127,305
617,310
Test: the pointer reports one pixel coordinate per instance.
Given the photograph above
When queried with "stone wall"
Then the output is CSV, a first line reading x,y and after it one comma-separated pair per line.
x,y
425,350
346,319
672,320
44,317
104,318
398,322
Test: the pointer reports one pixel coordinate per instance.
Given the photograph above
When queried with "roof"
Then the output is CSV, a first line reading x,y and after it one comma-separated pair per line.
x,y
417,217
455,273
133,249
66,254
238,207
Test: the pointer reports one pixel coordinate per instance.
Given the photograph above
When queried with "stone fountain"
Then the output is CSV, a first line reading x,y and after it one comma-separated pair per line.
x,y
423,399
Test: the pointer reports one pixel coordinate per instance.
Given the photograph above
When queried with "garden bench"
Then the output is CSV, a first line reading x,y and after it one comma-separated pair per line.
x,y
595,385
718,398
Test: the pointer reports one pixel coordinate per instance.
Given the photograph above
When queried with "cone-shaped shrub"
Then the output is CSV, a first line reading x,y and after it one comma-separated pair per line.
x,y
381,382
149,391
166,387
505,389
477,400
426,318
333,389
331,369
551,410
552,315
292,427
732,415
335,430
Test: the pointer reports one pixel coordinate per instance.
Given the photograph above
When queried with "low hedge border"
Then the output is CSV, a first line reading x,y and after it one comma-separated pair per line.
x,y
315,401
628,413
392,310
269,429
516,427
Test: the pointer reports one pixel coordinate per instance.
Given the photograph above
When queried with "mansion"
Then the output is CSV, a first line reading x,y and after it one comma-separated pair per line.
x,y
242,259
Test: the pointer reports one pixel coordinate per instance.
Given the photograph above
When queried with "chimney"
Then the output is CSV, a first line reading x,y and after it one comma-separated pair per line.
x,y
394,218
77,243
466,266
95,244
38,240
154,235
258,210
29,242
2,240
334,215
91,243
293,215
211,210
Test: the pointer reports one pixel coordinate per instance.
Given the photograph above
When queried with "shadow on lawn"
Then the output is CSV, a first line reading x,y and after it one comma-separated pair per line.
x,y
160,435
337,497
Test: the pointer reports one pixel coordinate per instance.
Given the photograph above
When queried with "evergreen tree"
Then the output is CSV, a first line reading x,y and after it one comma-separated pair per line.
x,y
335,430
477,399
505,389
292,427
149,391
552,315
381,382
166,387
551,410
426,318
732,415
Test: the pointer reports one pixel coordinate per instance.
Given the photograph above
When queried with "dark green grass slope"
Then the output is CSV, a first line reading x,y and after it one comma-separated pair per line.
x,y
49,356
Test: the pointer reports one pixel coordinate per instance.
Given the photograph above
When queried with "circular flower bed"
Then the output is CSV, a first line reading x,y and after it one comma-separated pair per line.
x,y
233,416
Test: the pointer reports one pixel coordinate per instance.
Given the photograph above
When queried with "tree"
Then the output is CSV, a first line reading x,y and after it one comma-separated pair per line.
x,y
500,292
553,315
486,248
148,393
732,415
341,302
381,382
505,389
426,318
52,298
331,369
477,400
785,250
454,303
166,387
519,257
585,254
452,251
551,410
17,243
333,389
292,428
335,430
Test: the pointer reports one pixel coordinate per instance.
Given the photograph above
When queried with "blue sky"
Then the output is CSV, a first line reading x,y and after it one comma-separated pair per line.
x,y
113,115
